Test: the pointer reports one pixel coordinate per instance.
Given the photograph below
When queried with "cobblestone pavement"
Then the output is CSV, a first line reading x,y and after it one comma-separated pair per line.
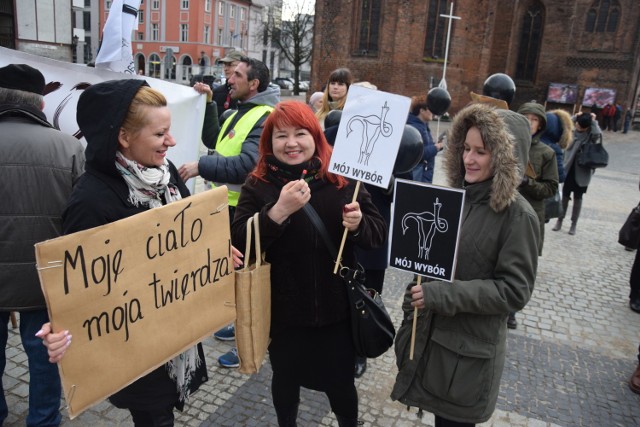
x,y
567,365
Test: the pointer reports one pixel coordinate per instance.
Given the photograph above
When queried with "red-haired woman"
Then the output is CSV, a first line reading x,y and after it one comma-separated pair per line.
x,y
311,344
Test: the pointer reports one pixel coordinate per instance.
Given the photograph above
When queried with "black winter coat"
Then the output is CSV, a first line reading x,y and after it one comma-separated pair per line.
x,y
100,197
304,290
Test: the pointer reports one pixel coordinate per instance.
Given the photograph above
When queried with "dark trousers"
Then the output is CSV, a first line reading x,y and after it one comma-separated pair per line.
x,y
443,422
156,418
44,382
634,279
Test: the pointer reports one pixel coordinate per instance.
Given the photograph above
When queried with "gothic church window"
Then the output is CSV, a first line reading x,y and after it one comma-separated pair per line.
x,y
436,31
530,40
603,16
369,28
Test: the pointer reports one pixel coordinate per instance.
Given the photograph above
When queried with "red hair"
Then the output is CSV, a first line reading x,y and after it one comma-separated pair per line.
x,y
298,115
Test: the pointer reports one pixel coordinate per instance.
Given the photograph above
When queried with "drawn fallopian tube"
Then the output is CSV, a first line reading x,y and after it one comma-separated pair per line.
x,y
372,127
429,221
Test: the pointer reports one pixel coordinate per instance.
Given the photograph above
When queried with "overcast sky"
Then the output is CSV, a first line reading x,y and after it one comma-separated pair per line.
x,y
291,7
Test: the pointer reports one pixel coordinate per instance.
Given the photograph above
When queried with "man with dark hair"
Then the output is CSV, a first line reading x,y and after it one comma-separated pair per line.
x,y
234,145
39,166
419,117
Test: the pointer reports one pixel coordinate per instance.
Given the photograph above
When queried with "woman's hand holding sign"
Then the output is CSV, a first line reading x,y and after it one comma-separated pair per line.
x,y
56,344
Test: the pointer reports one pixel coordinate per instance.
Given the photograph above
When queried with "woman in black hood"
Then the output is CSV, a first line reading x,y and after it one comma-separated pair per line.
x,y
126,124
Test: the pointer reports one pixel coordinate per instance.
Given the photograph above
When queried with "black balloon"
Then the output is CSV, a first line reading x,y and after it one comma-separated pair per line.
x,y
438,101
225,115
499,86
333,118
410,151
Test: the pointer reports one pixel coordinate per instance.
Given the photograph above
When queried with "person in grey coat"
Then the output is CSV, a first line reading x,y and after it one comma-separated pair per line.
x,y
460,339
578,177
39,166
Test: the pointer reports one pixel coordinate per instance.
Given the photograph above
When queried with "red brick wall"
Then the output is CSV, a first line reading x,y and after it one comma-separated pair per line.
x,y
483,42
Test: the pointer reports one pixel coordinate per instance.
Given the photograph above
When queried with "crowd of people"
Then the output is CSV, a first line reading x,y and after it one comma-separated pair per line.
x,y
273,156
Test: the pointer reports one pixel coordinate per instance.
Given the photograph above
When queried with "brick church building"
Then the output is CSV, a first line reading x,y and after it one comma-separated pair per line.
x,y
579,46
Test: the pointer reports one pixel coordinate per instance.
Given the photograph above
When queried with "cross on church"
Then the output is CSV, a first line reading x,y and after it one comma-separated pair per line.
x,y
450,17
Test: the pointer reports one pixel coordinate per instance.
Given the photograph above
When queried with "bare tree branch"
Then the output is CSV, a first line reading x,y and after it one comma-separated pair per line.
x,y
293,36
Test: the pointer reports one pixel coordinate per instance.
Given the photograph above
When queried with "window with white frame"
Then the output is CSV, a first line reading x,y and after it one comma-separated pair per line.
x,y
140,36
206,34
140,17
221,8
232,11
154,32
207,5
184,32
243,13
220,36
185,4
155,4
109,4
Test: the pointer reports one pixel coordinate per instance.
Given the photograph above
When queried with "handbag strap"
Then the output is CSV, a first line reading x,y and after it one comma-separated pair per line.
x,y
322,230
252,223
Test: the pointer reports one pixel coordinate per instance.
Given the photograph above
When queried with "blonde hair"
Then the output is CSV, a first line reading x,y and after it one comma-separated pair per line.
x,y
136,117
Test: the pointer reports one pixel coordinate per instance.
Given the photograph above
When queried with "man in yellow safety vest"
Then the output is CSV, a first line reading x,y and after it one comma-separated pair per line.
x,y
235,142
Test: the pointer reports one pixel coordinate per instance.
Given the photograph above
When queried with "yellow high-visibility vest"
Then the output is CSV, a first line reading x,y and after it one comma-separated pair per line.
x,y
231,143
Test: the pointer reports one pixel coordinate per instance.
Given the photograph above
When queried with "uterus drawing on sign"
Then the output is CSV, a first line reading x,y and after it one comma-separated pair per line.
x,y
429,222
371,127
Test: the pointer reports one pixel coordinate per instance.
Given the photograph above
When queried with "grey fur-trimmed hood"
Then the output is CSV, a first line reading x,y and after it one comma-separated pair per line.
x,y
498,140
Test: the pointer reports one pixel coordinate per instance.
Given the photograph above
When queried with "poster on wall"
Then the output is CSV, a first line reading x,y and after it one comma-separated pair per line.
x,y
562,93
599,97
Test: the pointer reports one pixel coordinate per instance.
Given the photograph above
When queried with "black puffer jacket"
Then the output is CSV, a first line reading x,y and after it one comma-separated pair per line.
x,y
100,197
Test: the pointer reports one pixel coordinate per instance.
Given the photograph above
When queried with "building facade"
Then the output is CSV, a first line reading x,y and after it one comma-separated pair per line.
x,y
41,28
400,45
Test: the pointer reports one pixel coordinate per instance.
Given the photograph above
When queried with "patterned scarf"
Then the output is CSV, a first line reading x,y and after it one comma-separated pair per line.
x,y
279,173
148,187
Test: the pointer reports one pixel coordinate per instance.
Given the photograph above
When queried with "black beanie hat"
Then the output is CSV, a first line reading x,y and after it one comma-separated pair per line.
x,y
22,77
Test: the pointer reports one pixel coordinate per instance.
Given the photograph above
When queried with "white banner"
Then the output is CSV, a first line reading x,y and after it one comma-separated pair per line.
x,y
66,81
115,50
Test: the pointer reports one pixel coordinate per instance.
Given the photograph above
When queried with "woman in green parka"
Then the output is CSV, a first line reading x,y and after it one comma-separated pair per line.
x,y
461,330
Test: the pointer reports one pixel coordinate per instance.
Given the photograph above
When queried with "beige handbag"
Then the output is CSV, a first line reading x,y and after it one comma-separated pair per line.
x,y
253,304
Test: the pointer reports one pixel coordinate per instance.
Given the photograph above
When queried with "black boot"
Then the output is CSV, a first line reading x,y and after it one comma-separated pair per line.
x,y
565,205
287,416
575,214
346,422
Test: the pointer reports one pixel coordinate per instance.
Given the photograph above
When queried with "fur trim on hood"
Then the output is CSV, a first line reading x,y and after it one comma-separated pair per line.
x,y
566,125
498,140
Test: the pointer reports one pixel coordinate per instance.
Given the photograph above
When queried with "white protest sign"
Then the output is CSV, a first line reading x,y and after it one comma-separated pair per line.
x,y
66,81
369,135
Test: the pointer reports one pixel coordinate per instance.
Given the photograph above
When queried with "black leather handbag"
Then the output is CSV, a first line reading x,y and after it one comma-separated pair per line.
x,y
629,234
553,206
371,326
593,155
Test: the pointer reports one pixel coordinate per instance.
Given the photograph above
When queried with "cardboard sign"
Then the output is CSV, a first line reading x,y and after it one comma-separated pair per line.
x,y
425,229
137,292
369,135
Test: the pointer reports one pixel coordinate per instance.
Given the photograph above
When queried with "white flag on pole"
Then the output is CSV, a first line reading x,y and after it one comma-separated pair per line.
x,y
115,50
